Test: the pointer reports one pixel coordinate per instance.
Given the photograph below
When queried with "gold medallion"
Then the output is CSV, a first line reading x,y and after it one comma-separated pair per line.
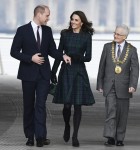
x,y
118,69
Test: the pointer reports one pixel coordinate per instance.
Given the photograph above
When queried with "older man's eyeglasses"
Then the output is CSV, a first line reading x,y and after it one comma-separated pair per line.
x,y
118,34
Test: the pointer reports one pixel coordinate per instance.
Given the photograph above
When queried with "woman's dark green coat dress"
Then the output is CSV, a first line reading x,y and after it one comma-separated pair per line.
x,y
73,83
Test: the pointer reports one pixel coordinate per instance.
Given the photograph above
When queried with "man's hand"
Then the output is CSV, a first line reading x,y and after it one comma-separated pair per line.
x,y
67,59
38,59
131,90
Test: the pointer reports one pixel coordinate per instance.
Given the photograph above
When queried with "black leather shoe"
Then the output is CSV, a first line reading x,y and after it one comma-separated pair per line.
x,y
30,142
66,135
119,143
75,142
110,142
39,142
47,141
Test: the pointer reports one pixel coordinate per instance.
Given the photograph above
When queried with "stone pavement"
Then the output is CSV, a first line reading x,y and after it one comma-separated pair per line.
x,y
90,133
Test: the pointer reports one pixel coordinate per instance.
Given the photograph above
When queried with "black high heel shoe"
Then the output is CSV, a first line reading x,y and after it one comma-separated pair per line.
x,y
66,135
75,142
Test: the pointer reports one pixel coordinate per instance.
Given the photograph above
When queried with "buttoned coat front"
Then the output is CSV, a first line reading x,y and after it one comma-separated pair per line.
x,y
73,82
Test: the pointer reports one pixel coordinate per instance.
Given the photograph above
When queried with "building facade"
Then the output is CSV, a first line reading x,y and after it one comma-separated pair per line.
x,y
104,14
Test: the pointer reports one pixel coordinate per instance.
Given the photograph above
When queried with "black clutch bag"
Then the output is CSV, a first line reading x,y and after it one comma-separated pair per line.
x,y
52,88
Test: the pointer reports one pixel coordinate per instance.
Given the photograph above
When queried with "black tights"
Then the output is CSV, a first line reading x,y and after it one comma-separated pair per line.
x,y
76,117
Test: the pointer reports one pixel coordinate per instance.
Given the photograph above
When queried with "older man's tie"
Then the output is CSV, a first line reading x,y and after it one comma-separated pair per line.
x,y
119,52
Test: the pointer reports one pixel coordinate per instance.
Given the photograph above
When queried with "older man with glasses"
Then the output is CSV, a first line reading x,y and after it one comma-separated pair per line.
x,y
117,80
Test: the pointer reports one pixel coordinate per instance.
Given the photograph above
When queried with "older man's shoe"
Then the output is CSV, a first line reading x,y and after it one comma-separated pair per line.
x,y
46,142
119,143
39,142
30,142
110,142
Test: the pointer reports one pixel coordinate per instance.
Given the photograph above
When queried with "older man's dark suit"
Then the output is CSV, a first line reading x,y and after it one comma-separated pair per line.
x,y
35,78
108,79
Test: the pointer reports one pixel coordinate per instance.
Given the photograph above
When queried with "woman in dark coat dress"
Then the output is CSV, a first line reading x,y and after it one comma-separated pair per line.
x,y
73,86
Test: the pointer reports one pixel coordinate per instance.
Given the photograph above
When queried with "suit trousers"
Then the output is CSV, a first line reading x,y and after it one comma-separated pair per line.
x,y
116,116
34,105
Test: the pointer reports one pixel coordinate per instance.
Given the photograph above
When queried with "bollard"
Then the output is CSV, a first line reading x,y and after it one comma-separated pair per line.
x,y
1,65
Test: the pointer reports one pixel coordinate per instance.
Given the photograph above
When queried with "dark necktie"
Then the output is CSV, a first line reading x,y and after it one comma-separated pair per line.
x,y
38,38
119,52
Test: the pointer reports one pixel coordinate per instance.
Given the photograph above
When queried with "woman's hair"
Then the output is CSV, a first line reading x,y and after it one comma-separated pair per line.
x,y
86,26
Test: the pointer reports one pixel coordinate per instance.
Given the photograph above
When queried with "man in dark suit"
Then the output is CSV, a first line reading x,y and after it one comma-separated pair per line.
x,y
31,45
117,79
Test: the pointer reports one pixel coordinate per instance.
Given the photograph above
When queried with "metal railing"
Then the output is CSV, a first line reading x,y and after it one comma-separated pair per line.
x,y
9,66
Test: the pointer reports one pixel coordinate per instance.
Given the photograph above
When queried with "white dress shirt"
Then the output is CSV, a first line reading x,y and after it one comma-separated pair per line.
x,y
121,47
34,26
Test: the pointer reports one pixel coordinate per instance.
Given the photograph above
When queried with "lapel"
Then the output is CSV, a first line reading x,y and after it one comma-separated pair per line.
x,y
114,52
31,34
43,36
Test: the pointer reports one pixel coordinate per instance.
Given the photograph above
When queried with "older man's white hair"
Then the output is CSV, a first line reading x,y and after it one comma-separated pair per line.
x,y
125,29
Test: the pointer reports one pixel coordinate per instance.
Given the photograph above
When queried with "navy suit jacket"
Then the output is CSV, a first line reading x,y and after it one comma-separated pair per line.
x,y
24,46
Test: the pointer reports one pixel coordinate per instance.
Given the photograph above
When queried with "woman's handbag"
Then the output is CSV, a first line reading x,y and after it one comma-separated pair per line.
x,y
52,88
